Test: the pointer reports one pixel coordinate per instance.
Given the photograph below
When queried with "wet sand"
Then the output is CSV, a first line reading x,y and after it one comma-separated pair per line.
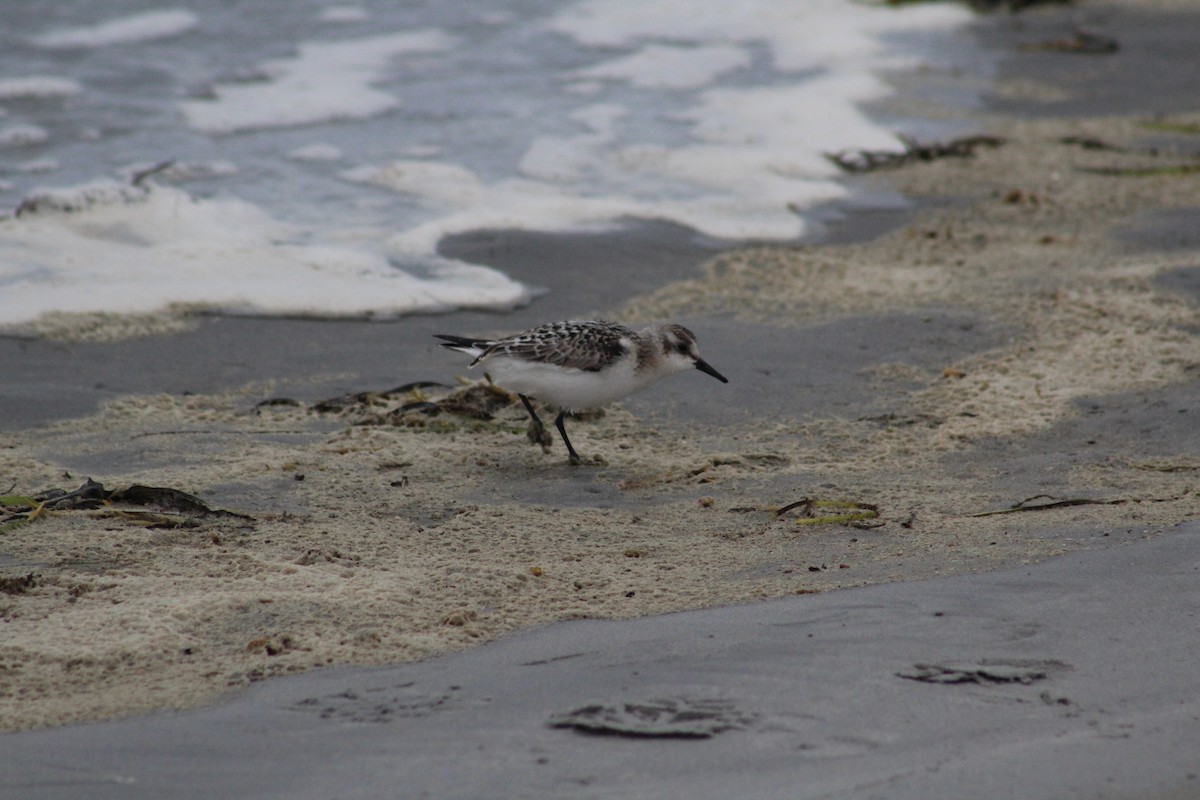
x,y
1029,332
987,685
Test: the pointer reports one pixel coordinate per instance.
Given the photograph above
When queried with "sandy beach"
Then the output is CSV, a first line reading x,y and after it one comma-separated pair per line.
x,y
1008,375
983,685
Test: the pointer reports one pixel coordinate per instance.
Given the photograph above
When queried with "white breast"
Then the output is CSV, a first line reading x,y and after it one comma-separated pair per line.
x,y
573,389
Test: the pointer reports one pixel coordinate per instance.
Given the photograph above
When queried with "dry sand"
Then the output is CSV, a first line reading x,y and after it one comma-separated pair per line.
x,y
381,543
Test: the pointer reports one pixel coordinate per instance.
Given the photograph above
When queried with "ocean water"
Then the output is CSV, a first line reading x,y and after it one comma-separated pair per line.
x,y
320,151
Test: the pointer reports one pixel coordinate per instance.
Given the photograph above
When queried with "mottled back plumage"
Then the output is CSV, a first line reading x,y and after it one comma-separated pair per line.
x,y
577,345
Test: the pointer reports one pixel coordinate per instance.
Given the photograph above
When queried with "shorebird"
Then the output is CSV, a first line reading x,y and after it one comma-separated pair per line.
x,y
581,365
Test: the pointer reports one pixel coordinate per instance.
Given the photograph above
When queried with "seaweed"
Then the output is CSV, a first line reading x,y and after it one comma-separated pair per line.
x,y
986,671
168,499
472,404
853,512
17,510
1172,170
19,584
1163,125
155,506
364,402
1049,502
1165,467
51,200
1094,143
138,177
1080,42
913,152
1133,170
989,6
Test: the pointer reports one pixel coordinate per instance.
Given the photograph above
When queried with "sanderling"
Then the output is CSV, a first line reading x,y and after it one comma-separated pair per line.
x,y
582,365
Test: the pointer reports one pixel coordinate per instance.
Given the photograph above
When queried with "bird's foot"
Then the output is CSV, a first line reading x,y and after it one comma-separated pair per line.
x,y
538,434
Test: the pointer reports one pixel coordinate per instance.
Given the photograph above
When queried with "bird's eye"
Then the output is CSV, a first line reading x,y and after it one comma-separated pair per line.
x,y
682,348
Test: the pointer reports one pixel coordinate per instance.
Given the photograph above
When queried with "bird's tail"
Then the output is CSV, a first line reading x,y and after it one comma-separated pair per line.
x,y
472,347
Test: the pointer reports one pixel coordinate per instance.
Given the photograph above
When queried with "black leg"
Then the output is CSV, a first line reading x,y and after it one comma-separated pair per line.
x,y
529,407
573,456
537,431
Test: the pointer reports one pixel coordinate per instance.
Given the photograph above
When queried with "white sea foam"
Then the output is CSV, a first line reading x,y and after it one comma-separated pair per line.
x,y
140,249
821,34
658,66
751,157
136,28
343,14
543,116
325,81
180,170
22,135
36,165
316,152
37,86
465,203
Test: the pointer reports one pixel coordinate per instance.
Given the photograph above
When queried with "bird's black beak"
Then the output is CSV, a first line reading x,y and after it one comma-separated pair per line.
x,y
703,366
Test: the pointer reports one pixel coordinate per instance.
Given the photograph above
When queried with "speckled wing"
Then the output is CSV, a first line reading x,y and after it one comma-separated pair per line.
x,y
588,346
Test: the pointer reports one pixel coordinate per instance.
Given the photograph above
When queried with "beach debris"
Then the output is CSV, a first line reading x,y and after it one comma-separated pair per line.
x,y
986,671
140,176
1020,197
988,6
855,514
167,499
1163,124
1049,502
19,584
460,617
1169,170
99,192
315,555
1013,5
276,402
1080,41
155,506
710,469
1168,467
667,717
272,646
1093,143
852,512
1145,167
411,405
18,510
103,192
362,402
70,201
914,151
1066,703
22,509
479,400
893,420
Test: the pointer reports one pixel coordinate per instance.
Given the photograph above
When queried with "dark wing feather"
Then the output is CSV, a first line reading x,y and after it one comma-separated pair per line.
x,y
587,346
462,341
